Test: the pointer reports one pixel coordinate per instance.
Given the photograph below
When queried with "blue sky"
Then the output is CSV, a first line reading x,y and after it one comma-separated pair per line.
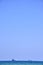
x,y
21,29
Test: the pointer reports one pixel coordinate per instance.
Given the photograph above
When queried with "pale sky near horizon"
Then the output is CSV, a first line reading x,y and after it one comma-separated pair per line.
x,y
21,29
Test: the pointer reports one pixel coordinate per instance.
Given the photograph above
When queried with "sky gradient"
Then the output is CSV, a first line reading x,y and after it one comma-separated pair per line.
x,y
21,29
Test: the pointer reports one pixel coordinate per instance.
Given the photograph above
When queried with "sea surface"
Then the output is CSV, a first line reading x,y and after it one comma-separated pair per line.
x,y
21,62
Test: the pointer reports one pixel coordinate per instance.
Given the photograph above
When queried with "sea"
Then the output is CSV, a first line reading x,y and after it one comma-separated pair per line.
x,y
21,62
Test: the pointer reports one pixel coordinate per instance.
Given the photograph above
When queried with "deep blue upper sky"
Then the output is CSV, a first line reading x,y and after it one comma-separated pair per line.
x,y
21,29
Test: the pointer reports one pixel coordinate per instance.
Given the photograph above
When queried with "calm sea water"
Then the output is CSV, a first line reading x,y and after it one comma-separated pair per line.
x,y
21,63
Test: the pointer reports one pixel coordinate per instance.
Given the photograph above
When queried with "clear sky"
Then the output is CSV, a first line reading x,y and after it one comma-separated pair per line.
x,y
21,29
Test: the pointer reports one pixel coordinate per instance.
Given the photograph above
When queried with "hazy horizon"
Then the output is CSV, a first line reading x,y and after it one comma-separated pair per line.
x,y
21,29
